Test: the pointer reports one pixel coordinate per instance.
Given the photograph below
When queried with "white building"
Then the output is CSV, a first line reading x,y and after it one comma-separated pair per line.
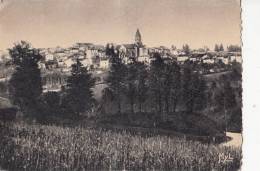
x,y
145,59
104,63
182,59
49,57
93,52
236,58
225,60
208,61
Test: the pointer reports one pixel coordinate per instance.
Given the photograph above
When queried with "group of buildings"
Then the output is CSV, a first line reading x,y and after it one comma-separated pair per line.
x,y
92,56
56,64
95,57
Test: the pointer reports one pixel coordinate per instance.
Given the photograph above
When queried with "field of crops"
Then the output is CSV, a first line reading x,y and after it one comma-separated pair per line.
x,y
36,147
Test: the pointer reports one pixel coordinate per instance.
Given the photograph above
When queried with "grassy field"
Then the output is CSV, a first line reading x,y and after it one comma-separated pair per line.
x,y
37,147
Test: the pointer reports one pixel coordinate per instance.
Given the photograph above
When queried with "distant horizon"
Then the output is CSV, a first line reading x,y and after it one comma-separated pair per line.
x,y
47,23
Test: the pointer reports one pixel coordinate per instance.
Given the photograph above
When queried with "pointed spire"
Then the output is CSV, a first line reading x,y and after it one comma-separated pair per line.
x,y
138,33
138,37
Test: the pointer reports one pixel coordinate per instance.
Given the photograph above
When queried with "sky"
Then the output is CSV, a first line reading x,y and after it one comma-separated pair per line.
x,y
51,23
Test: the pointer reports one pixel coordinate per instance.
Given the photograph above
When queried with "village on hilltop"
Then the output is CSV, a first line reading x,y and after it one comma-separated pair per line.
x,y
56,63
94,56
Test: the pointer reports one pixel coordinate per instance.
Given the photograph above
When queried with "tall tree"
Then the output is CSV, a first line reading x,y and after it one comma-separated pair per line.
x,y
221,48
156,81
186,49
107,97
234,48
211,95
173,86
226,98
216,49
79,96
136,84
116,80
142,84
187,87
194,87
110,50
200,93
51,104
130,86
25,85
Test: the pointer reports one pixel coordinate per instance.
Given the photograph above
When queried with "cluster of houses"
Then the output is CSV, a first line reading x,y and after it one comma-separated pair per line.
x,y
62,58
94,56
211,57
56,64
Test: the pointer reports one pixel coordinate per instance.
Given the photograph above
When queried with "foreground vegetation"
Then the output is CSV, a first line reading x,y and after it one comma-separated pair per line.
x,y
37,147
164,96
164,88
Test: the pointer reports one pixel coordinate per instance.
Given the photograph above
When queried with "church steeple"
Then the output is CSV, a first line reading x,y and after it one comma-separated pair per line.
x,y
138,38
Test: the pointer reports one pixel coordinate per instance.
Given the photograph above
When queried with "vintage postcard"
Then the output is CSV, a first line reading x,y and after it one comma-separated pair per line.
x,y
120,85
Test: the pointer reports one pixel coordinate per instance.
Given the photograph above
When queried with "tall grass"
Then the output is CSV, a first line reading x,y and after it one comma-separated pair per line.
x,y
36,147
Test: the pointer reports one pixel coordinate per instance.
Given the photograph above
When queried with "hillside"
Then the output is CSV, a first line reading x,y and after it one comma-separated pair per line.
x,y
181,122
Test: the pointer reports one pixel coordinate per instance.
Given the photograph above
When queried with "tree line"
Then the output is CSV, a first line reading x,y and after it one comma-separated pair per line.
x,y
25,88
230,48
217,48
162,88
159,87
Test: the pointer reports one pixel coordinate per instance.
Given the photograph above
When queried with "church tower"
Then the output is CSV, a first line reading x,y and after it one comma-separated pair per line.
x,y
138,38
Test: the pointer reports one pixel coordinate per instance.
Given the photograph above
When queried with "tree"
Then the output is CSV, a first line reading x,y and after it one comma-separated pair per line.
x,y
221,48
200,93
226,98
116,80
25,87
130,86
79,96
107,97
52,107
171,85
187,88
211,95
175,86
141,81
136,84
230,98
234,48
236,71
186,49
193,89
216,49
156,81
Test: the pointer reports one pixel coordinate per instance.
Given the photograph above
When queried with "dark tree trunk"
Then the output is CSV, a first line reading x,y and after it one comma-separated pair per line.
x,y
119,106
140,107
159,104
166,104
132,106
174,105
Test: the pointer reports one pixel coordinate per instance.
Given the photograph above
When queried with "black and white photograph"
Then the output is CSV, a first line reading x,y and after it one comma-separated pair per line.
x,y
120,85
